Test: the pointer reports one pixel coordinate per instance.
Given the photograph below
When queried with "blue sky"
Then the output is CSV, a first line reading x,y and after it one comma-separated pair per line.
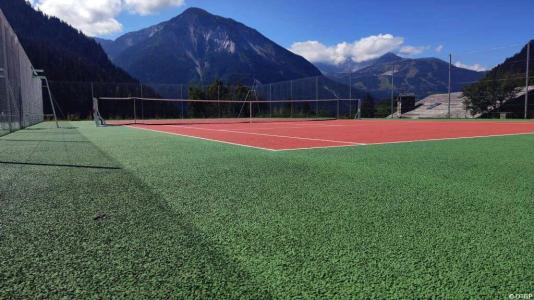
x,y
470,29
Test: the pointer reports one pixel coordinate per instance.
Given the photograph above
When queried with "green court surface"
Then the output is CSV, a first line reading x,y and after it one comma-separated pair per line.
x,y
90,212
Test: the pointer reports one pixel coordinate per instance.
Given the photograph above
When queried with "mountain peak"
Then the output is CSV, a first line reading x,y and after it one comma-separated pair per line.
x,y
197,46
195,11
388,57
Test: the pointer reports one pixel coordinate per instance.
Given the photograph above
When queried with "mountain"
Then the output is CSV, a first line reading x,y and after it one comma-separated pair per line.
x,y
422,77
350,66
515,65
508,77
64,53
198,47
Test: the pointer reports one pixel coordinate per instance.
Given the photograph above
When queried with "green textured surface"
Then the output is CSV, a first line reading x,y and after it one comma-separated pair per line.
x,y
91,212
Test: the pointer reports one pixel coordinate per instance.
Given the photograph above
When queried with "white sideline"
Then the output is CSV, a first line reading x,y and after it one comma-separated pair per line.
x,y
345,144
269,135
201,138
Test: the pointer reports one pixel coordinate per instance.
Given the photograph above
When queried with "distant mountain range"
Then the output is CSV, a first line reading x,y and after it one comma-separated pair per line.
x,y
64,53
422,77
198,47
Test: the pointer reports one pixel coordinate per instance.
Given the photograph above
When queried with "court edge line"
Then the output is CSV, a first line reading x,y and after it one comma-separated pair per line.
x,y
203,139
408,142
266,134
319,147
340,146
451,139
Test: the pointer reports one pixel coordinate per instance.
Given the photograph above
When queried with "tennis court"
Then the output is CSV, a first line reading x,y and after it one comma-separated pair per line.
x,y
280,136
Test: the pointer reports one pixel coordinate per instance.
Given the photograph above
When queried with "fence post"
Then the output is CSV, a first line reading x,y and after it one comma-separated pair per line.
x,y
527,81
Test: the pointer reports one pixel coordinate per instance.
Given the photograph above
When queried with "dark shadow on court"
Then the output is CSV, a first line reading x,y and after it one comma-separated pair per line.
x,y
141,236
45,141
58,165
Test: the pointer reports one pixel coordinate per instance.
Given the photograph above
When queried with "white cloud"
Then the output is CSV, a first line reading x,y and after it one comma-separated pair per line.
x,y
439,48
146,7
365,49
475,67
412,50
99,17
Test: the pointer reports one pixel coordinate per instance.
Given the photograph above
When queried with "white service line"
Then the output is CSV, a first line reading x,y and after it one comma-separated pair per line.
x,y
301,127
201,138
269,135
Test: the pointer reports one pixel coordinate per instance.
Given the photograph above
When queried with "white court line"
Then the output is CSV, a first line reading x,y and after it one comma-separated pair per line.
x,y
451,139
265,134
319,147
201,138
300,127
326,147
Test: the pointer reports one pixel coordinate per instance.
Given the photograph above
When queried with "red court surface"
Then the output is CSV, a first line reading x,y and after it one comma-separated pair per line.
x,y
280,136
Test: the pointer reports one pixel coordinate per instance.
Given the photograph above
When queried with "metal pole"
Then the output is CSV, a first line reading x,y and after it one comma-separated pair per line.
x,y
317,96
182,98
270,100
291,97
219,99
359,109
5,77
337,109
450,78
527,81
51,101
134,111
250,109
392,90
350,95
142,104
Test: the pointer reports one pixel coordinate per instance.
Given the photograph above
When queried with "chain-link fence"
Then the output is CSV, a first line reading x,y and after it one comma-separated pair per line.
x,y
403,87
21,100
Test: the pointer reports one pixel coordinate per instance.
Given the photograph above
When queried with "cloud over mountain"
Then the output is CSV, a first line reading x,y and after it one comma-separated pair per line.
x,y
99,17
365,49
475,67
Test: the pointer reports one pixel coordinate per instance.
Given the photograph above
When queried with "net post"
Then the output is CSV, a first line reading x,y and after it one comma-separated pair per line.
x,y
182,102
270,100
250,110
134,110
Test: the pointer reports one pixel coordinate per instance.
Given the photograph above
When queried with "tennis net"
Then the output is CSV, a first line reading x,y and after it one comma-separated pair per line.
x,y
155,111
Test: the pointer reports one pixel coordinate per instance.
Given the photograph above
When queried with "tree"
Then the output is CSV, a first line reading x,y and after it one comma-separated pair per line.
x,y
368,106
382,109
490,93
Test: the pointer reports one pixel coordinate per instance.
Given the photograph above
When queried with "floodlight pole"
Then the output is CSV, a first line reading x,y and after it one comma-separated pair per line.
x,y
450,66
527,81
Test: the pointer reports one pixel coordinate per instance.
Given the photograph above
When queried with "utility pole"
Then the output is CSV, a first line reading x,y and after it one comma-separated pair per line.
x,y
450,66
527,81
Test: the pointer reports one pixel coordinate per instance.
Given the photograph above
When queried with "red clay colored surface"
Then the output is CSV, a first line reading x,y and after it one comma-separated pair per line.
x,y
340,133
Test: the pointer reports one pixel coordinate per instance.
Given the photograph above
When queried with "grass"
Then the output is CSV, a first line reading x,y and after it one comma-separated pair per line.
x,y
91,212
